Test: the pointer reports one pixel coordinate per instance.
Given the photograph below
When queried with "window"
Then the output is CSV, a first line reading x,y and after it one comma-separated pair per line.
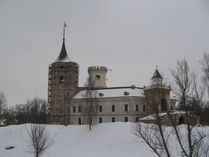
x,y
113,108
137,119
126,93
79,121
101,94
74,109
113,119
100,108
100,119
61,79
97,77
137,108
163,105
143,108
61,109
126,107
125,119
68,109
79,108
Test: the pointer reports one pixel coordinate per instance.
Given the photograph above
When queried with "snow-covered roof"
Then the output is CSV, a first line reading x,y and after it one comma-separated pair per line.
x,y
153,116
113,92
178,112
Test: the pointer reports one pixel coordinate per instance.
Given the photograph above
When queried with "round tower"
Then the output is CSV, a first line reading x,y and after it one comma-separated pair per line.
x,y
98,76
62,86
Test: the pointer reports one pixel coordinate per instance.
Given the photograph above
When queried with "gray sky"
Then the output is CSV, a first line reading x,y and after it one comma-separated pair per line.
x,y
130,37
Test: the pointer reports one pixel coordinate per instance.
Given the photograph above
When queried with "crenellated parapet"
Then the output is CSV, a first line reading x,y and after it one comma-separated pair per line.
x,y
97,68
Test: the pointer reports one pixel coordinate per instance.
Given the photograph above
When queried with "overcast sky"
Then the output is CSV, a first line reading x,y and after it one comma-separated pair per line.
x,y
130,37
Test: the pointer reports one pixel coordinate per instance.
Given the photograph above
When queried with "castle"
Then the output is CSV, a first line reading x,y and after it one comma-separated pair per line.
x,y
68,102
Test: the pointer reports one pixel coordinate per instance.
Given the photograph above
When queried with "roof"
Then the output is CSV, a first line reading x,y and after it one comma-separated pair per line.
x,y
156,74
154,116
113,92
63,56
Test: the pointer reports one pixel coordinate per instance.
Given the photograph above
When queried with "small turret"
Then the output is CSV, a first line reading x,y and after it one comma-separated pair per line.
x,y
157,94
98,76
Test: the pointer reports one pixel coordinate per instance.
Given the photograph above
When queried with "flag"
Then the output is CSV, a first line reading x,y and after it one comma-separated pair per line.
x,y
65,24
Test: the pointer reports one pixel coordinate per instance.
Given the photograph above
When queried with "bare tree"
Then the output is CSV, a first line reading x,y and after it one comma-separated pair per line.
x,y
204,117
205,68
188,95
155,136
2,103
190,139
90,103
39,139
33,111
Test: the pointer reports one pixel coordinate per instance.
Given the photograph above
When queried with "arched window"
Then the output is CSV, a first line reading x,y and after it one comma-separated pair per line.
x,y
61,79
163,105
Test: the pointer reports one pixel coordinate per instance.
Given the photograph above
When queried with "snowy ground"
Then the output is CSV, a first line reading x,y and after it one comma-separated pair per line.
x,y
105,140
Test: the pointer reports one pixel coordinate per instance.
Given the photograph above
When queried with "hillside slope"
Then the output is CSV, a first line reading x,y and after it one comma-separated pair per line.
x,y
105,140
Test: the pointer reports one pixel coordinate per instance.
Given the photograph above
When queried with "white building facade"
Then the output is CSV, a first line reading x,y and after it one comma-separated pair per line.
x,y
119,104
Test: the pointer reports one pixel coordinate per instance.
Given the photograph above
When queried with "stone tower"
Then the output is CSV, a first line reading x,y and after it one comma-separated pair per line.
x,y
98,76
62,86
157,95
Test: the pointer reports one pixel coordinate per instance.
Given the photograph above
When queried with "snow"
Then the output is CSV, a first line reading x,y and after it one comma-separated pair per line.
x,y
178,112
105,140
117,92
153,116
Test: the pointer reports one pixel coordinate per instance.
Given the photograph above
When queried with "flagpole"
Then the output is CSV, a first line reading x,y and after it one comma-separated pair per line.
x,y
64,30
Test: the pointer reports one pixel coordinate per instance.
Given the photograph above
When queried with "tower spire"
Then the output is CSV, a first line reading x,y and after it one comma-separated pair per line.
x,y
63,57
156,73
156,78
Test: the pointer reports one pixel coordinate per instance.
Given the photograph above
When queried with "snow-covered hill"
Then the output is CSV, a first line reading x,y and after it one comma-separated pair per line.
x,y
105,140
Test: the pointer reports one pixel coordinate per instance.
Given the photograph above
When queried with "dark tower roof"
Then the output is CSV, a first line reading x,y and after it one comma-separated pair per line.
x,y
63,57
156,74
